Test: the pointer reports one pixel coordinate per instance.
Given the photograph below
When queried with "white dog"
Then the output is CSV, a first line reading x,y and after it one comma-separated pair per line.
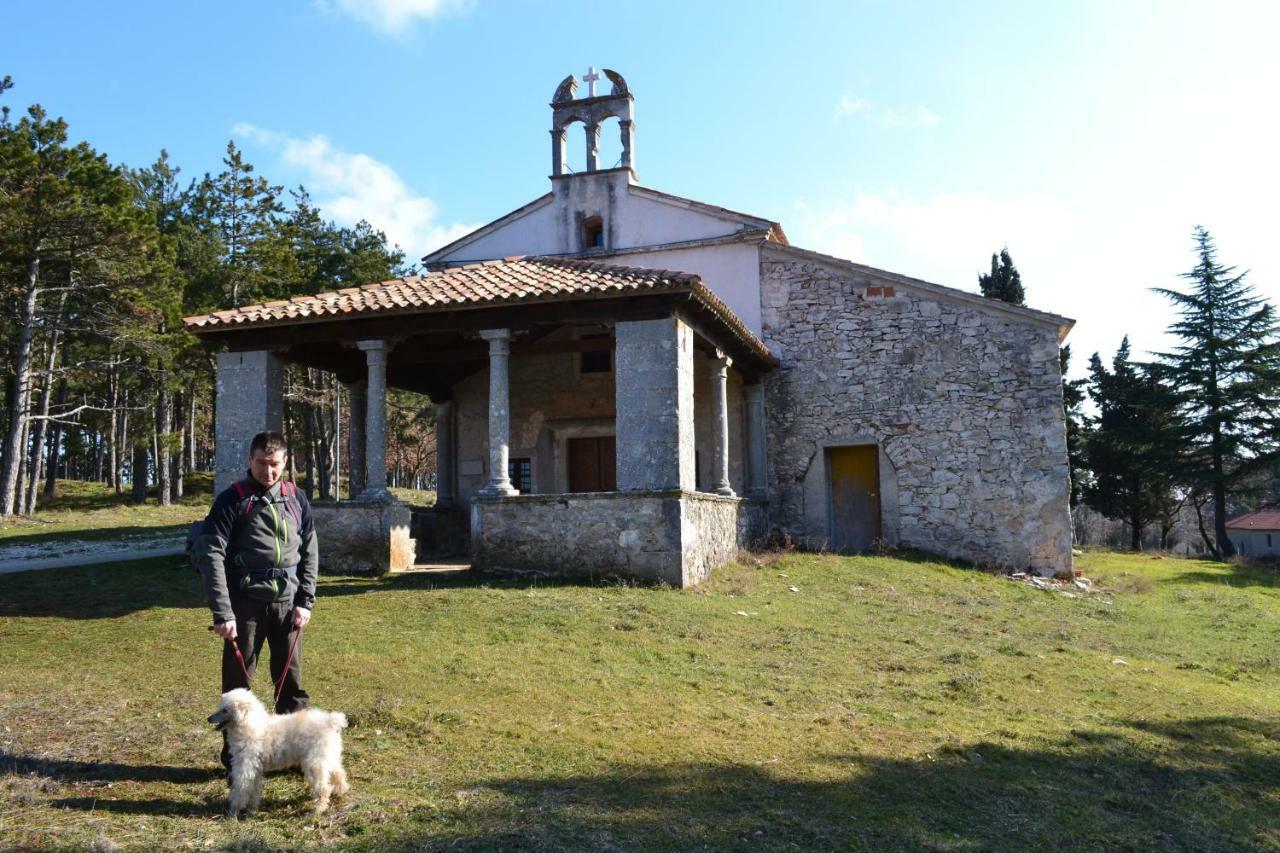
x,y
260,741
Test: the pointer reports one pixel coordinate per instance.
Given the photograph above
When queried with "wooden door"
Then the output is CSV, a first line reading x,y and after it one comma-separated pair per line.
x,y
854,475
593,464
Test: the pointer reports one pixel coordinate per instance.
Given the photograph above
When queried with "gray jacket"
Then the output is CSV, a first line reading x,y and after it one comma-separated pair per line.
x,y
258,530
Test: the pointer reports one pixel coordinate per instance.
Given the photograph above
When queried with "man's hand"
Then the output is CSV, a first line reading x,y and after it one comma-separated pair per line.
x,y
301,616
226,630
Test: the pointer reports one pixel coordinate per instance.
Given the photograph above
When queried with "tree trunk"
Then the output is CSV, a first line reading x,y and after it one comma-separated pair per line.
x,y
1225,546
11,456
321,434
163,425
124,440
139,471
113,433
1204,534
191,433
42,428
308,448
55,446
180,454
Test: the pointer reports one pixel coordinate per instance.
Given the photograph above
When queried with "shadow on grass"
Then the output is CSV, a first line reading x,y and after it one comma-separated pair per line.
x,y
1232,574
102,591
461,579
105,771
1199,784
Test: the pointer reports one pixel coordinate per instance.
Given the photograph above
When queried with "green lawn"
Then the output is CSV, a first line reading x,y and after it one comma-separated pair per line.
x,y
888,703
89,511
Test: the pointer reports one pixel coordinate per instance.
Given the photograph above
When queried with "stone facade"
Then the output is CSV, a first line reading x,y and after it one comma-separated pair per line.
x,y
363,537
963,399
672,536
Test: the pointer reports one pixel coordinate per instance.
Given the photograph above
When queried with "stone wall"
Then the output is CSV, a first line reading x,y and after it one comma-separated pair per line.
x,y
363,537
671,536
963,399
249,400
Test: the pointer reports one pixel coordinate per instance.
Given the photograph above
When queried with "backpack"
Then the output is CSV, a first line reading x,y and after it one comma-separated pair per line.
x,y
244,507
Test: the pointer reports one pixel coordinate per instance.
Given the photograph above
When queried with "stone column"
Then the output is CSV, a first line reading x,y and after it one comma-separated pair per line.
x,y
558,152
446,453
250,399
720,424
375,437
654,372
757,476
593,147
499,413
356,436
627,128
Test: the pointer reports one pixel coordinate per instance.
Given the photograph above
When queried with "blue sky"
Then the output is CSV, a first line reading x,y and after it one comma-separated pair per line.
x,y
1088,137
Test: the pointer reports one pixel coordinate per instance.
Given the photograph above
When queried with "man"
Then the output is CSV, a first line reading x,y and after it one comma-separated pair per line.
x,y
258,555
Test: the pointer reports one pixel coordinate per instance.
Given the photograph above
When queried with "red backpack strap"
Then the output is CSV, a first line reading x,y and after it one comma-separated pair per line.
x,y
289,491
245,493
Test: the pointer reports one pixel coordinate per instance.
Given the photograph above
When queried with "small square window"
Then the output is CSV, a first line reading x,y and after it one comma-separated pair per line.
x,y
596,360
520,471
593,233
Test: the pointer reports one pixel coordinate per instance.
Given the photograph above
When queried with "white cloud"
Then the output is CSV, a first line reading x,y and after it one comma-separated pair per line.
x,y
351,187
852,104
917,117
392,16
849,104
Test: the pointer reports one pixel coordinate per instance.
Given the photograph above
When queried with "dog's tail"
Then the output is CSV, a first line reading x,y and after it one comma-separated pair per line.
x,y
339,720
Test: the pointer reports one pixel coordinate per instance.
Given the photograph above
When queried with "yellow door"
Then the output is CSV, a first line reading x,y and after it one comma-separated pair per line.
x,y
854,475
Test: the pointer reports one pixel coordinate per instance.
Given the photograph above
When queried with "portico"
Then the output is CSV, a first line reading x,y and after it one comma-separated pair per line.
x,y
622,394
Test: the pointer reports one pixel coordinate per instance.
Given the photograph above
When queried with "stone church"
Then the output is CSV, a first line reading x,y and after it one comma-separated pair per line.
x,y
635,383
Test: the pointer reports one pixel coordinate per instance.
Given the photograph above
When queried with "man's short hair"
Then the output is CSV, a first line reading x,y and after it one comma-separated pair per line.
x,y
269,442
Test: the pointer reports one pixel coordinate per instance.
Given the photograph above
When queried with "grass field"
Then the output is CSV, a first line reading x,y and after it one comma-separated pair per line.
x,y
89,511
886,703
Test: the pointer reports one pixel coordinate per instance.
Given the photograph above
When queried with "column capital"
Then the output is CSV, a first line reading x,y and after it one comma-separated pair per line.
x,y
496,334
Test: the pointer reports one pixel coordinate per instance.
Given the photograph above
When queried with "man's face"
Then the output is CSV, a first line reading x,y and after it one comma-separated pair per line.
x,y
266,468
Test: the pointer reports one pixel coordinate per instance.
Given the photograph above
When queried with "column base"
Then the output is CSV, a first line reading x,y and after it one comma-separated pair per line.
x,y
724,491
379,495
498,490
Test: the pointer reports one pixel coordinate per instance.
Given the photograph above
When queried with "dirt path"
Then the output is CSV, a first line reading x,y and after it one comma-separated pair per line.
x,y
54,555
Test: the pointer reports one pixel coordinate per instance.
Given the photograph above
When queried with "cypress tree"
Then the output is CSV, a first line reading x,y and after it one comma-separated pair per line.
x,y
1003,282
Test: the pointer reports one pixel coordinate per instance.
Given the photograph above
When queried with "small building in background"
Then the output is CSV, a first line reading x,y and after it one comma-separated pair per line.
x,y
1256,534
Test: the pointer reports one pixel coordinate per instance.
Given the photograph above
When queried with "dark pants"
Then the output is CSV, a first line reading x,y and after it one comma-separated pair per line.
x,y
257,621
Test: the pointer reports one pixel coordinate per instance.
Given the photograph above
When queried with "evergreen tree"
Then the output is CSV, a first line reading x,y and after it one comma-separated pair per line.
x,y
1003,282
1128,451
242,211
1226,378
1073,395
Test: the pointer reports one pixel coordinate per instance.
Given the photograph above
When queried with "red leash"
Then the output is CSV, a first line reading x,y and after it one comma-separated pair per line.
x,y
284,673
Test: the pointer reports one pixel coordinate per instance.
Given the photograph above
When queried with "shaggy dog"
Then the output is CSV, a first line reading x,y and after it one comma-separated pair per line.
x,y
260,741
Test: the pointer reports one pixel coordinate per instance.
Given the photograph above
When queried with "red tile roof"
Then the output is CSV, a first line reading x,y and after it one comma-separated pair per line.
x,y
490,283
1267,518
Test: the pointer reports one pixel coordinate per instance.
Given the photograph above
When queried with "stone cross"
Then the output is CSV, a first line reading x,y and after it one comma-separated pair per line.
x,y
590,79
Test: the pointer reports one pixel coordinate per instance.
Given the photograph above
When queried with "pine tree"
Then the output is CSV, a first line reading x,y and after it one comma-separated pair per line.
x,y
1226,375
1073,395
1003,282
1128,451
